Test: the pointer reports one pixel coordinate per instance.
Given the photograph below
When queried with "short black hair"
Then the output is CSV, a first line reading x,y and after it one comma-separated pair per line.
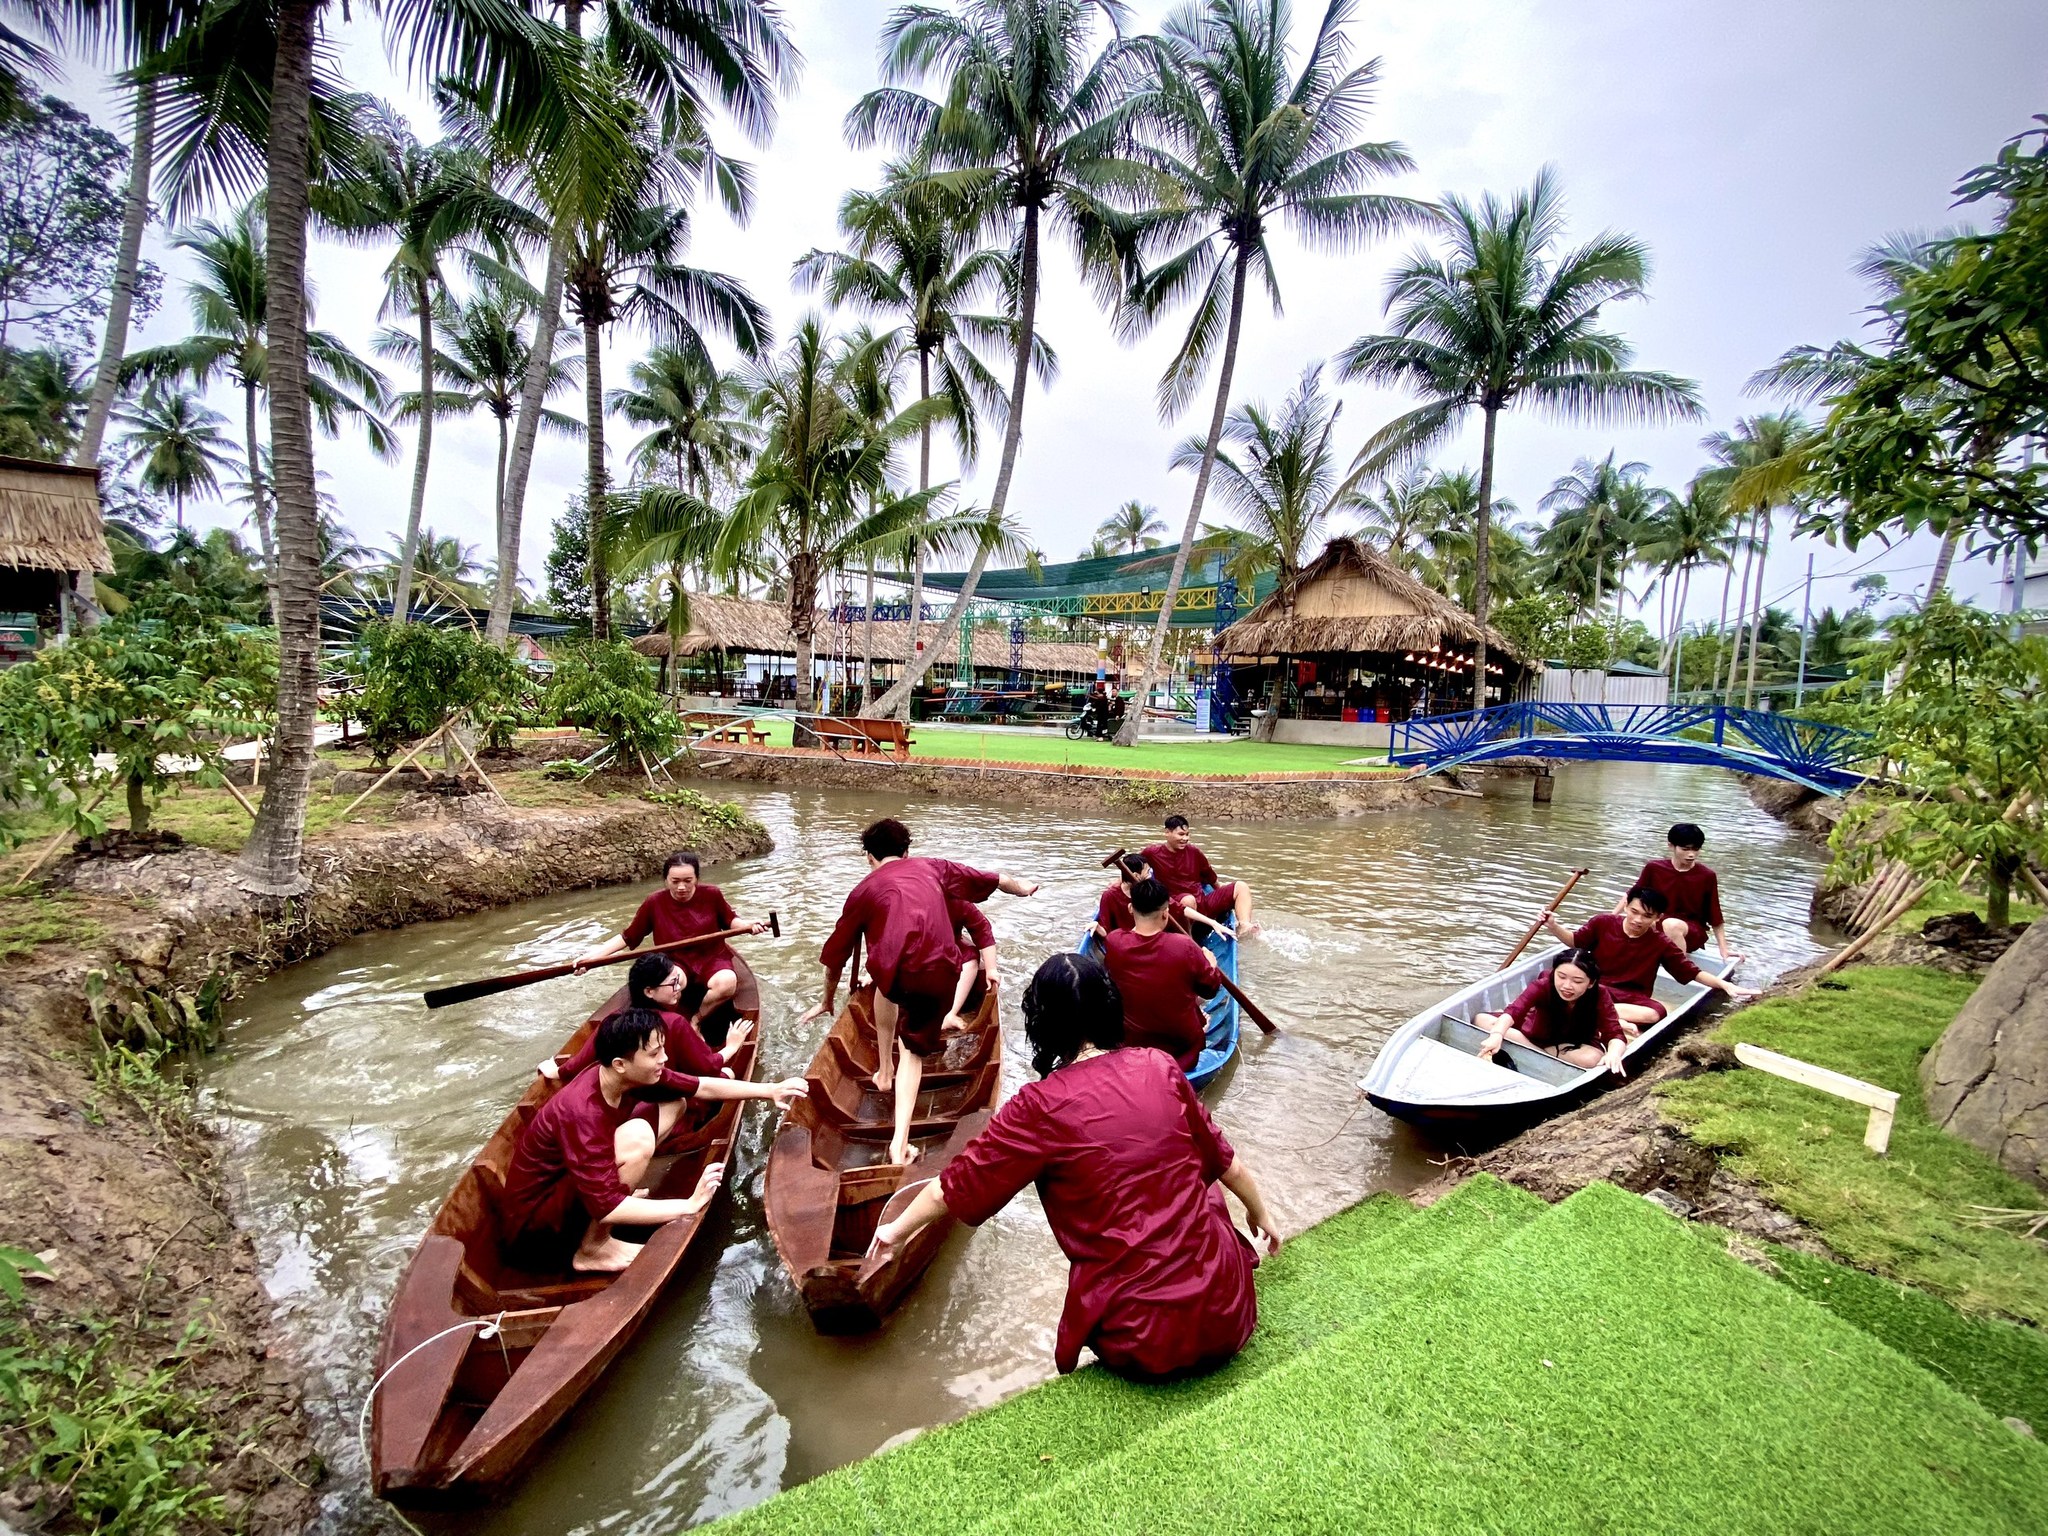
x,y
687,856
645,974
885,839
1147,897
621,1036
1071,1003
1132,866
1649,896
1686,835
1175,820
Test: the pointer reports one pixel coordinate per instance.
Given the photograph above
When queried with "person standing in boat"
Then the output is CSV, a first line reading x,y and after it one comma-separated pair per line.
x,y
685,908
1127,1162
657,983
913,953
1692,893
1164,977
1184,870
1630,947
1565,1013
1113,909
576,1171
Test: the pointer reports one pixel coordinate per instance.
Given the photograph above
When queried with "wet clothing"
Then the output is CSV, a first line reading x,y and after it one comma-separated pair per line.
x,y
1114,912
903,909
1629,966
1186,874
1694,897
1163,979
1126,1160
565,1170
668,920
968,917
1548,1020
688,1051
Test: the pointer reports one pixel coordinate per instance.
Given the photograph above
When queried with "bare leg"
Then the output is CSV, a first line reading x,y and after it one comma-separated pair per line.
x,y
1581,1056
1674,930
718,992
885,1040
1241,910
633,1145
909,1078
1634,1016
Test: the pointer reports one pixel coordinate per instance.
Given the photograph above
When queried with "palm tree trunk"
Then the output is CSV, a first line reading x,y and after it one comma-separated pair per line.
x,y
498,510
1127,733
1756,622
401,597
270,859
867,643
127,262
1721,624
1741,608
1943,559
896,701
924,480
594,492
259,499
1482,555
533,390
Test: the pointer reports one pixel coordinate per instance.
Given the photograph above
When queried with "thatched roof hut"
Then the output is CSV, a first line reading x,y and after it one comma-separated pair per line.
x,y
1352,600
50,517
744,625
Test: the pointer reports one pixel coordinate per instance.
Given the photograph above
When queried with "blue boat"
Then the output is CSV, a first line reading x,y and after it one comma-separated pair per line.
x,y
1221,1043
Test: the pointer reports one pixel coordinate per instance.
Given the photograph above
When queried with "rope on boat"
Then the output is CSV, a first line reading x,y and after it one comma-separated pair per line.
x,y
491,1326
1316,1145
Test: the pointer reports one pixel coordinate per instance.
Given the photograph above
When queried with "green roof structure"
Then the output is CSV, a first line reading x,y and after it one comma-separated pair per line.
x,y
1117,589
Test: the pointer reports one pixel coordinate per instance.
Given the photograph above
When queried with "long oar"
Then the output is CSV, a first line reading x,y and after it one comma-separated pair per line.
x,y
463,991
1258,1014
1535,927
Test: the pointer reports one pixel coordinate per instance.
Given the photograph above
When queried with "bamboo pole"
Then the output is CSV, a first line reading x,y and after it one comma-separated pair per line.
x,y
57,842
1899,909
242,800
412,752
2034,882
463,747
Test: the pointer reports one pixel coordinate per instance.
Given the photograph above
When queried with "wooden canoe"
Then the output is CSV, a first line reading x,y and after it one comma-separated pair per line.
x,y
829,1182
1429,1072
458,1415
1220,1042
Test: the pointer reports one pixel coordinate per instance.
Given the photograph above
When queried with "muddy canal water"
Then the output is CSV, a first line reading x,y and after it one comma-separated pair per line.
x,y
351,1109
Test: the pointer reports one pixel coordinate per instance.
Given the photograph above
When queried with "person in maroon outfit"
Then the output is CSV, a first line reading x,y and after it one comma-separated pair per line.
x,y
1163,977
1630,947
576,1171
1692,892
1127,1163
685,908
913,954
1184,870
1113,912
657,983
1565,1013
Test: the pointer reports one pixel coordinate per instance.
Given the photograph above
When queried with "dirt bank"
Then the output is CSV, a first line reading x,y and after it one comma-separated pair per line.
x,y
103,1169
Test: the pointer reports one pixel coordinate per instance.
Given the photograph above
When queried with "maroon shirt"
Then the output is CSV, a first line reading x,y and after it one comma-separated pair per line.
x,y
1547,1019
1183,873
669,920
1163,978
570,1138
688,1051
901,909
966,915
1114,912
1694,895
1126,1161
1630,965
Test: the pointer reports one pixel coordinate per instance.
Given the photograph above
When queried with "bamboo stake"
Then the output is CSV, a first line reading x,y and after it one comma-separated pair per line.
x,y
1882,891
2034,881
413,752
1899,909
463,747
242,800
57,842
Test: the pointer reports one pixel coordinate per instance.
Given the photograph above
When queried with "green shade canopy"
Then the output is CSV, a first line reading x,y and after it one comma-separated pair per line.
x,y
1117,588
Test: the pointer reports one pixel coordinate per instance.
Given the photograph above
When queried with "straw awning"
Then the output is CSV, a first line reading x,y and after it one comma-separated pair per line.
x,y
50,517
1352,600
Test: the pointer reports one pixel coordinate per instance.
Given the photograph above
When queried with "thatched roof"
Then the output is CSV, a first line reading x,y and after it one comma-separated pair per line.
x,y
50,517
1352,599
742,624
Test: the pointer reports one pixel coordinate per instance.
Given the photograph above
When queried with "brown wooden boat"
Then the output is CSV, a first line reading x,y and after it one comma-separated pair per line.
x,y
458,1414
829,1183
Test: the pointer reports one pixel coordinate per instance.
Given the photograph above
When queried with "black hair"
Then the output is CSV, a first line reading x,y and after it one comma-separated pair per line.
x,y
1071,1003
1649,896
1175,820
1583,959
1131,866
645,974
687,856
885,839
1147,897
623,1034
1587,1004
1686,835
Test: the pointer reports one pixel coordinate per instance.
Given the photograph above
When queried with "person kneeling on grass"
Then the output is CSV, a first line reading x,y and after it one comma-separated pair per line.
x,y
576,1172
1126,1160
1564,1013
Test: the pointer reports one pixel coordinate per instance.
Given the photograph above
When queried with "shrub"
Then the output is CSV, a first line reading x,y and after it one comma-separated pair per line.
x,y
607,688
412,678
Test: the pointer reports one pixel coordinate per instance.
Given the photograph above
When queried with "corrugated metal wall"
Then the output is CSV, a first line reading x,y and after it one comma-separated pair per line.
x,y
1560,686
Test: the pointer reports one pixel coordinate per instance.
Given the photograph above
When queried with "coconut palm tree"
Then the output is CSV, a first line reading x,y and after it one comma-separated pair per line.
x,y
1758,451
1025,128
1597,512
1448,539
43,400
127,266
700,431
1395,515
174,446
1689,532
1236,145
445,571
1504,318
1130,528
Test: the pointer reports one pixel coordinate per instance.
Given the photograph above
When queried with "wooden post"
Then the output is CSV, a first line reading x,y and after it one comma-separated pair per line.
x,y
1545,786
412,752
1883,1103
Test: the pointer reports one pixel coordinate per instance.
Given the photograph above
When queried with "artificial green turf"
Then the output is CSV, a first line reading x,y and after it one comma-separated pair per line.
x,y
2002,1366
1325,1279
1601,1369
1907,1215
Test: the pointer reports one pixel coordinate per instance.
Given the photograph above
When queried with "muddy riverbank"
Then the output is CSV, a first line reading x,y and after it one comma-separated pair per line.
x,y
105,1170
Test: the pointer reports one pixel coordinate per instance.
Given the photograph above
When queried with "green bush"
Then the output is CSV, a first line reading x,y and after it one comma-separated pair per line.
x,y
716,813
607,688
413,677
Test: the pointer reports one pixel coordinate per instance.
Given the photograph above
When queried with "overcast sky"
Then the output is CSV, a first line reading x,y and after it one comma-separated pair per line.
x,y
1755,147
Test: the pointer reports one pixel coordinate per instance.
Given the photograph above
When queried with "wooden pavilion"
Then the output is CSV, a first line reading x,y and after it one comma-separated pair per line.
x,y
1355,644
52,544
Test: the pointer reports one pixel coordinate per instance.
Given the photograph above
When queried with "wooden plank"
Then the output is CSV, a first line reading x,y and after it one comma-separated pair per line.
x,y
1877,1132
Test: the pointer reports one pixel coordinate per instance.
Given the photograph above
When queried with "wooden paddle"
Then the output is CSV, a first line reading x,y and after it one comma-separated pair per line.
x,y
463,991
1258,1014
1536,927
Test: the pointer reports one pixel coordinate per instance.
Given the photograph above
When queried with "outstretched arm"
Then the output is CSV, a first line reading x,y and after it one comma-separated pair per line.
x,y
1016,885
615,945
927,1208
734,1088
1239,1181
823,1006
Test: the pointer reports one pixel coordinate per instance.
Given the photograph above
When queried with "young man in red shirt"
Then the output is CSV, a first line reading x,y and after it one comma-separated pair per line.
x,y
685,908
1164,978
1184,870
577,1169
1113,910
1692,892
1629,947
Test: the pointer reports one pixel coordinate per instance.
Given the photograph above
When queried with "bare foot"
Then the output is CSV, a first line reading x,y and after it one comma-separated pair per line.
x,y
884,1080
608,1256
906,1155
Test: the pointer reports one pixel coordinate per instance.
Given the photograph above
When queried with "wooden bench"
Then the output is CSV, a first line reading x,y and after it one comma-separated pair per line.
x,y
863,736
705,726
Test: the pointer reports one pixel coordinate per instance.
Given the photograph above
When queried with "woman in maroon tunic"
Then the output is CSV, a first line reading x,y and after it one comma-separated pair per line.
x,y
658,984
1126,1161
1565,1013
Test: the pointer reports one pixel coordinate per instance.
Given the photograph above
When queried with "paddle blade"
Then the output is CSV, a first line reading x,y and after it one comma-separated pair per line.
x,y
462,992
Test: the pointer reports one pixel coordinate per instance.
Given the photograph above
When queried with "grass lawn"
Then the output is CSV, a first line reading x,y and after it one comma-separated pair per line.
x,y
1948,897
1907,1215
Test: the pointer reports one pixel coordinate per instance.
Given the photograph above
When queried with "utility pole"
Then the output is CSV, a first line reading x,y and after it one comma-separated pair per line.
x,y
1805,628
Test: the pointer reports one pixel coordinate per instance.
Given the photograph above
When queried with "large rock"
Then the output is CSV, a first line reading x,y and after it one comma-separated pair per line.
x,y
1987,1077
